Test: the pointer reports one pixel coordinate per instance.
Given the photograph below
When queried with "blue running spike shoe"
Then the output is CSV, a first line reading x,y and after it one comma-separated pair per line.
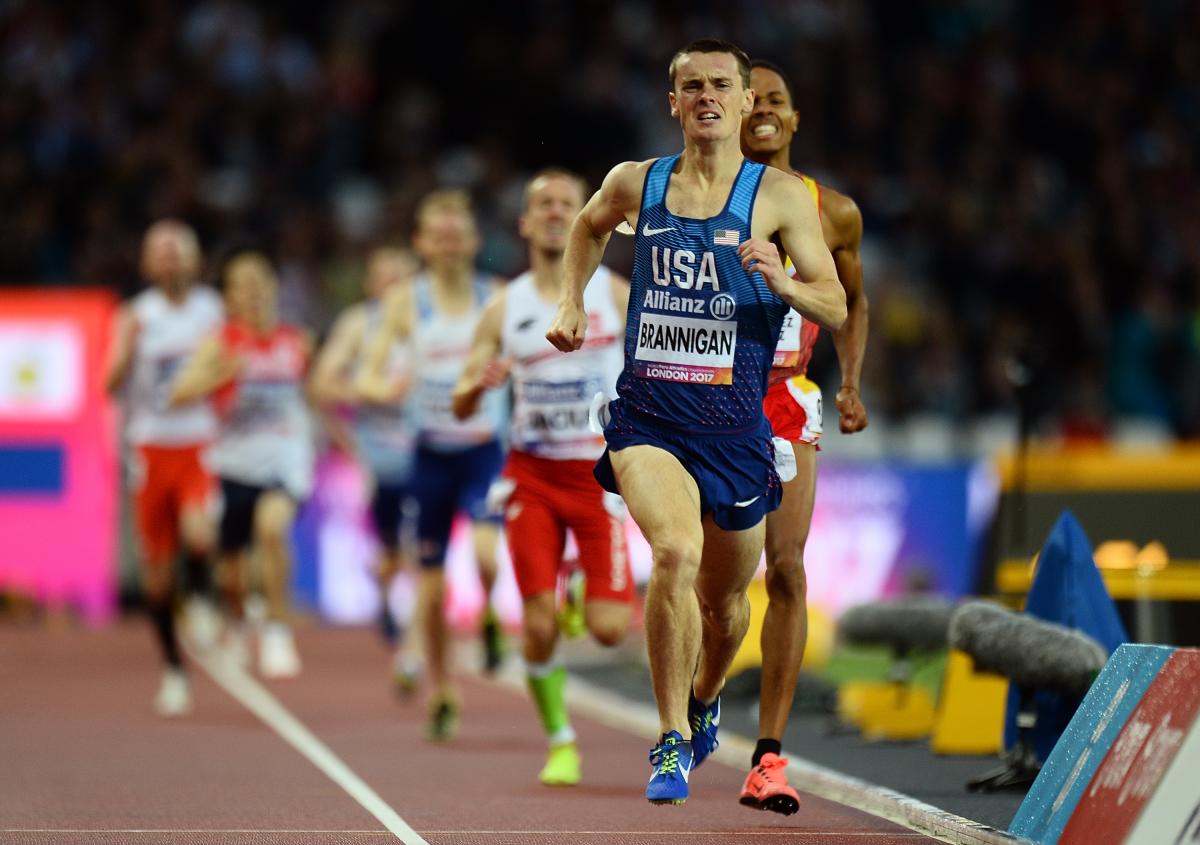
x,y
704,720
672,762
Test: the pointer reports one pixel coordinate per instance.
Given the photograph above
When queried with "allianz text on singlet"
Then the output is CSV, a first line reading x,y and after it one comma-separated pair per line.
x,y
701,331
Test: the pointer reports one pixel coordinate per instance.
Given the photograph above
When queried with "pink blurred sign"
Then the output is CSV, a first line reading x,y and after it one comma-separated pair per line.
x,y
58,464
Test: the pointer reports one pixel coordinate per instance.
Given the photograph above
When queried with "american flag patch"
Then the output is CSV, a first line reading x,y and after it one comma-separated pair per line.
x,y
725,237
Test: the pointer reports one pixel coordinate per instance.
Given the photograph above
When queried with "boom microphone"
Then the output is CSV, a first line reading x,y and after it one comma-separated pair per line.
x,y
1032,653
905,625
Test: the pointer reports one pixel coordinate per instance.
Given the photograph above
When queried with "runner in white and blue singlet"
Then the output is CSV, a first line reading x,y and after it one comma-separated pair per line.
x,y
688,447
456,460
381,438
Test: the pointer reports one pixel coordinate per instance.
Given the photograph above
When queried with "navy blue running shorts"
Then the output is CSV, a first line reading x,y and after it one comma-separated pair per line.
x,y
735,471
445,483
387,511
235,533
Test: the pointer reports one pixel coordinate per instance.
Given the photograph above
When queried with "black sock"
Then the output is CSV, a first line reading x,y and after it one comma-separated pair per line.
x,y
766,746
162,614
387,624
198,575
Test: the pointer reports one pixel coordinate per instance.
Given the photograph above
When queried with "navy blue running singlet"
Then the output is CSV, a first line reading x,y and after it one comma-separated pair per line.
x,y
701,331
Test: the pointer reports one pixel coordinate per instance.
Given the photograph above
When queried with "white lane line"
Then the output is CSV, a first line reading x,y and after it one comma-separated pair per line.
x,y
724,834
183,830
757,834
255,698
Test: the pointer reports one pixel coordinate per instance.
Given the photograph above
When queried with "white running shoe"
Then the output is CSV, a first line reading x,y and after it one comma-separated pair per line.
x,y
174,696
203,624
406,674
235,646
277,657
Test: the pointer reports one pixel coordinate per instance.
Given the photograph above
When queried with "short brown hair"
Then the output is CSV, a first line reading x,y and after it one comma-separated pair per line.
x,y
713,45
444,199
554,172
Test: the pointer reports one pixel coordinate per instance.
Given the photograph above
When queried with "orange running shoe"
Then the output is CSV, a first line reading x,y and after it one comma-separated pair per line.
x,y
766,787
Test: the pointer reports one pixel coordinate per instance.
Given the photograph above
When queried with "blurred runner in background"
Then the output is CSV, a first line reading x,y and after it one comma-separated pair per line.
x,y
154,334
547,484
456,460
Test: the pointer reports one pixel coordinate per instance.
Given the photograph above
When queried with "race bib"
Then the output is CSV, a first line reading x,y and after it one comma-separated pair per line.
x,y
787,350
165,370
262,405
785,459
498,494
599,414
686,349
436,408
554,410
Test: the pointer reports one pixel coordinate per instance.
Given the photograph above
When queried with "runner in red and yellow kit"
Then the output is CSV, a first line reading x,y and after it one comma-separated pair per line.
x,y
793,405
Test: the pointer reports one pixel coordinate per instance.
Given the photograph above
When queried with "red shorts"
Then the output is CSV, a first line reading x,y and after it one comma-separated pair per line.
x,y
167,479
549,498
793,407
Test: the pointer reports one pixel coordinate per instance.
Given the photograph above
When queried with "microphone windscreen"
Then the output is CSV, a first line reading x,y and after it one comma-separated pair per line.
x,y
919,623
1033,653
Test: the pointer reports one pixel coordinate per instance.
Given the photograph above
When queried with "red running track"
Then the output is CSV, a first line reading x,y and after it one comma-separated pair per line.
x,y
87,761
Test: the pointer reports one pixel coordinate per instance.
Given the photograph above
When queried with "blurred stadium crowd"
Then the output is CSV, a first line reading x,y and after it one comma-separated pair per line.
x,y
1028,172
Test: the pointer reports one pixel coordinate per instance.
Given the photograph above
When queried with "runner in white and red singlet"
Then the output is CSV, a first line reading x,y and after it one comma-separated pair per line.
x,y
793,405
548,475
255,368
154,334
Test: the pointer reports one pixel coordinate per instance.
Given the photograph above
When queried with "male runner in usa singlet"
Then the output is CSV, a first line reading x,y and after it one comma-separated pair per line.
x,y
688,446
793,406
553,449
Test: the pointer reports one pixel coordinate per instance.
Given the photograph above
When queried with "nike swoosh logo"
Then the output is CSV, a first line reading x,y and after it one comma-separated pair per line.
x,y
647,231
746,504
685,771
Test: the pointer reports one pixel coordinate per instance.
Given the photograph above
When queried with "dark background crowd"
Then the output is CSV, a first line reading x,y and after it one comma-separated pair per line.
x,y
1027,171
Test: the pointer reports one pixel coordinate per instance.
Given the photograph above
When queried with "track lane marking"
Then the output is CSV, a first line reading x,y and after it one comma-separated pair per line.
x,y
259,701
890,835
182,830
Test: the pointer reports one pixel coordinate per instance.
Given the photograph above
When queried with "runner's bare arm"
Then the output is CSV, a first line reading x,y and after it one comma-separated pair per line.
x,y
373,381
308,345
786,208
618,198
208,368
483,370
120,353
332,365
331,382
842,216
